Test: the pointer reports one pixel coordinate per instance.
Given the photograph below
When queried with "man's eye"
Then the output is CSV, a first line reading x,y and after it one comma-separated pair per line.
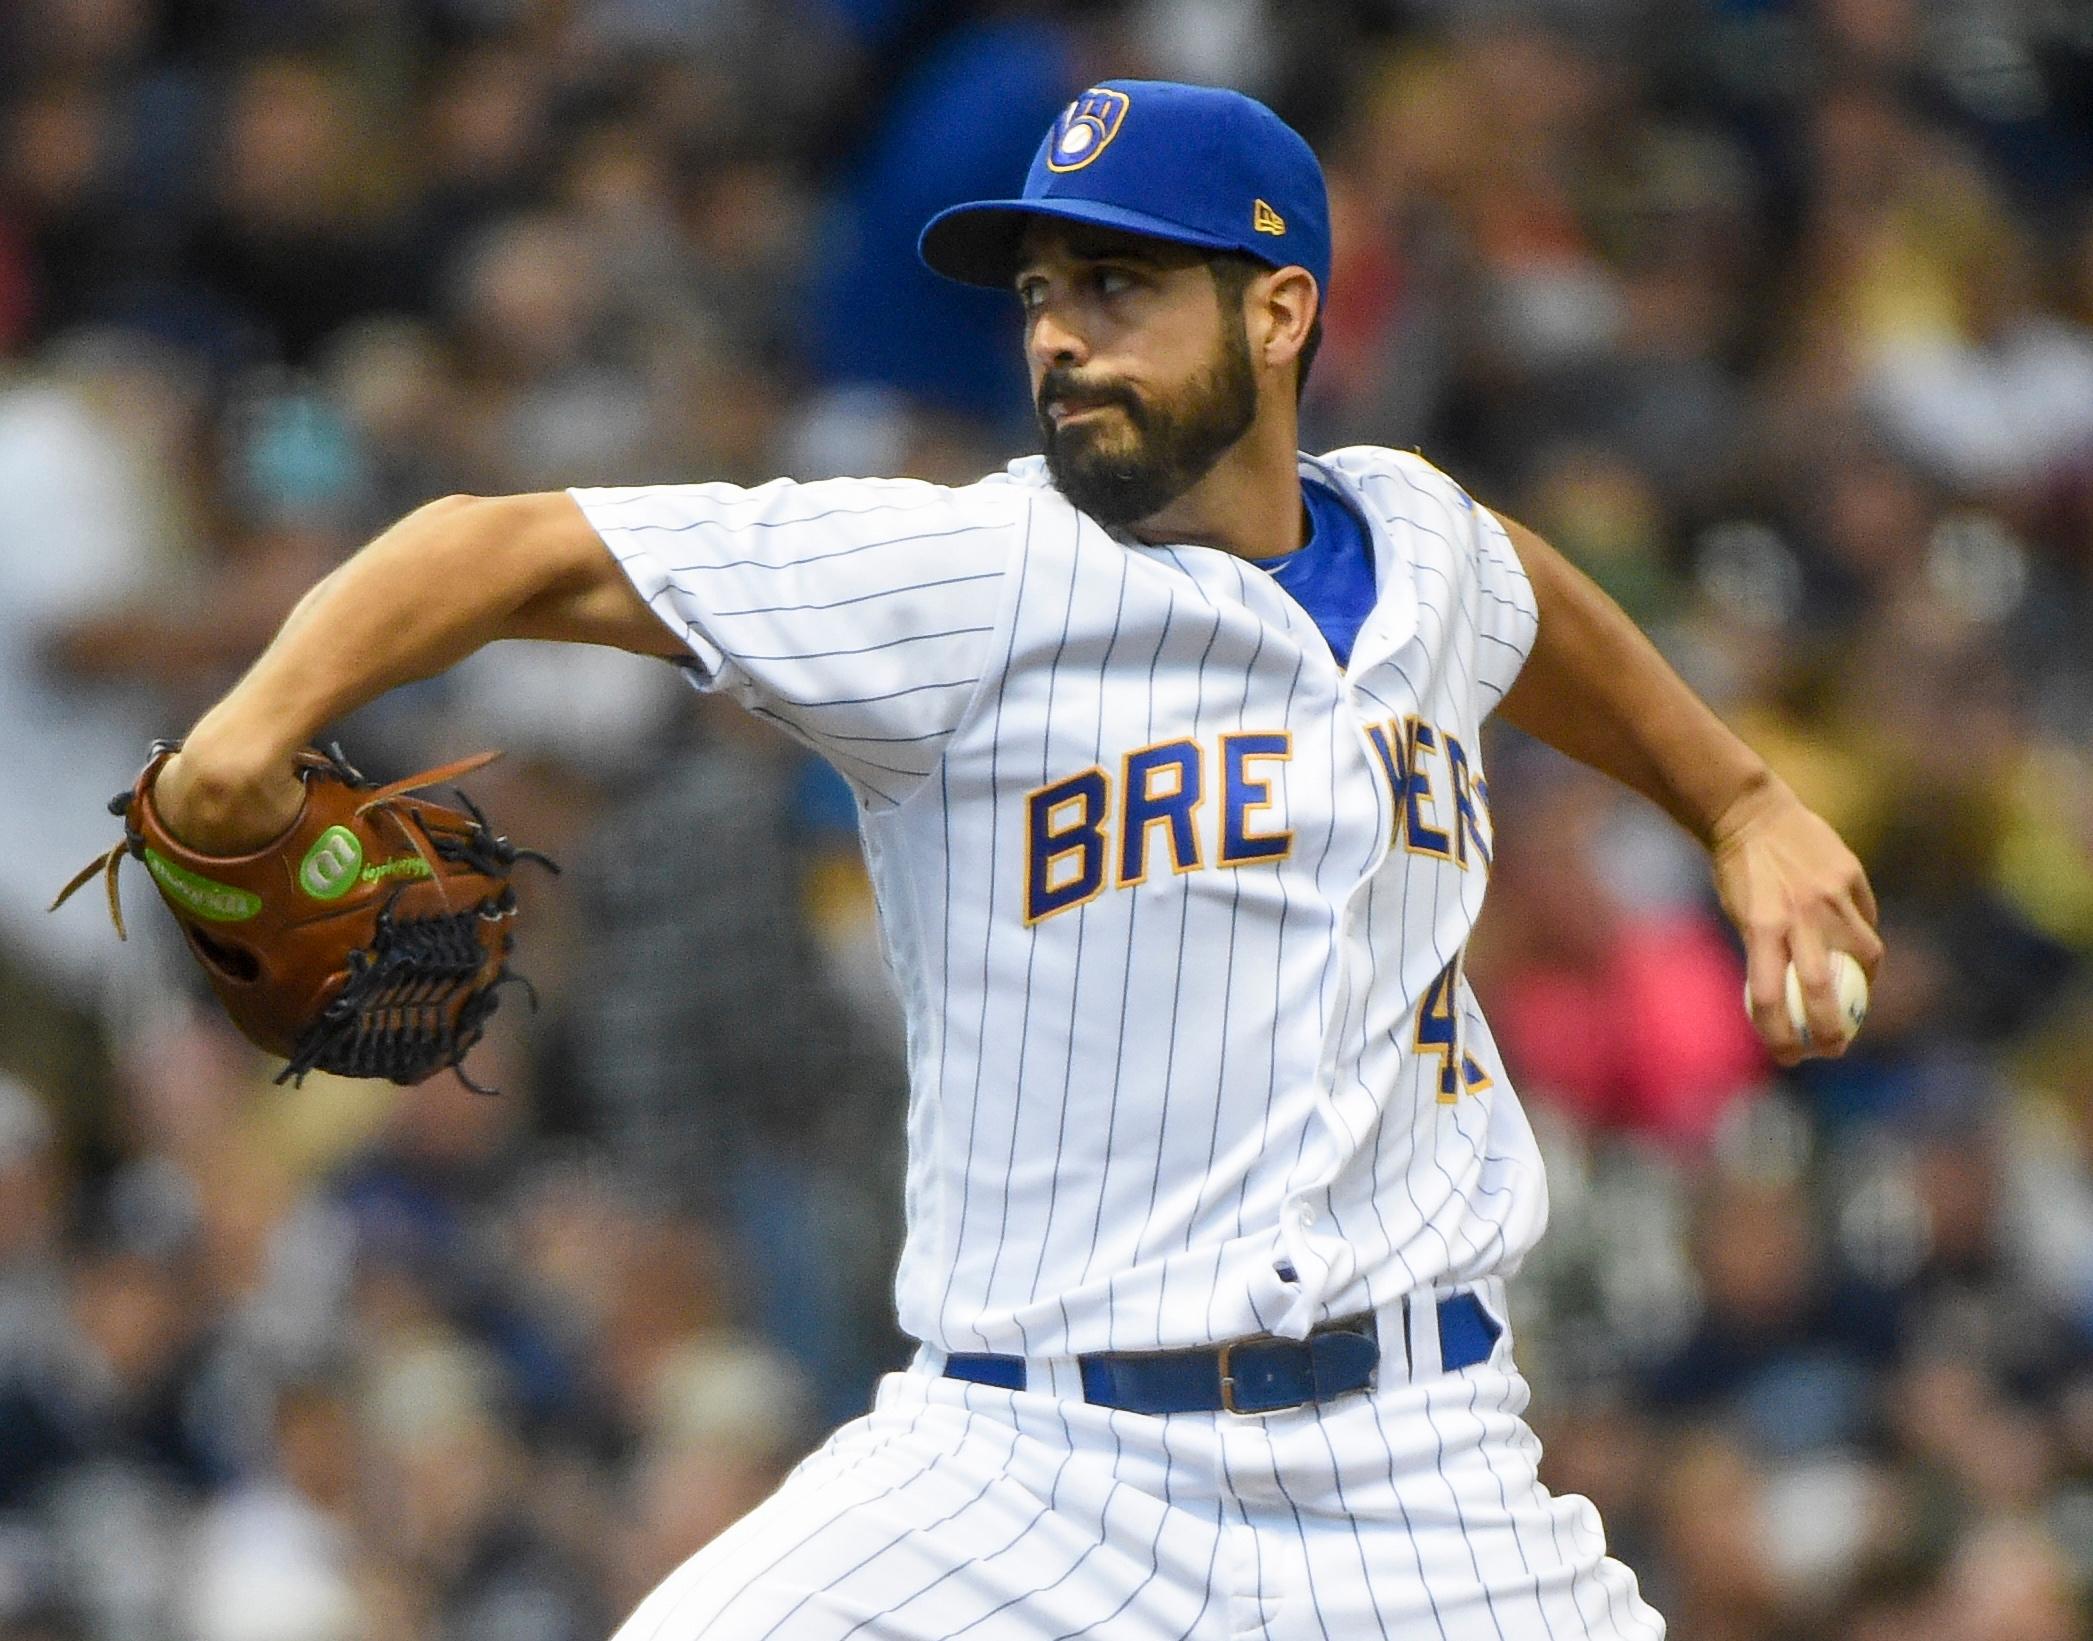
x,y
1031,294
1112,281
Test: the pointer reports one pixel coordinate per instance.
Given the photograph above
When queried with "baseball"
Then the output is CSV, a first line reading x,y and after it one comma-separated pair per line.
x,y
1852,986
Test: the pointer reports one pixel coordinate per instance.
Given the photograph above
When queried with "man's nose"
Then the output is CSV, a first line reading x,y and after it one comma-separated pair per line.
x,y
1055,342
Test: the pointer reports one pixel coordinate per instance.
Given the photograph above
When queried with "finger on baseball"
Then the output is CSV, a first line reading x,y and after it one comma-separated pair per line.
x,y
1864,901
1766,978
1820,991
1858,936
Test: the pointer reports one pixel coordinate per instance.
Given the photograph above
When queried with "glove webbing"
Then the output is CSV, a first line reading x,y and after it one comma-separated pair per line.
x,y
389,1018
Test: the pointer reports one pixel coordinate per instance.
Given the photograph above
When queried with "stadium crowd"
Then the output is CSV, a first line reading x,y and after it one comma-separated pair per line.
x,y
1776,314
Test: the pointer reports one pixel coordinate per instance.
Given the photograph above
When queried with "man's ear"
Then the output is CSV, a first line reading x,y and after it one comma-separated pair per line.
x,y
1284,305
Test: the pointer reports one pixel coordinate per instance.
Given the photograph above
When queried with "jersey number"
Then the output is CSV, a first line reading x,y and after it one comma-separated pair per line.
x,y
1439,1033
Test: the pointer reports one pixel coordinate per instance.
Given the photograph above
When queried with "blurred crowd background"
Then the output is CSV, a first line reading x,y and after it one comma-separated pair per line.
x,y
1777,314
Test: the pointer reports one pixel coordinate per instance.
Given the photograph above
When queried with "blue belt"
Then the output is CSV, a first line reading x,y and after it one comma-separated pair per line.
x,y
1260,1374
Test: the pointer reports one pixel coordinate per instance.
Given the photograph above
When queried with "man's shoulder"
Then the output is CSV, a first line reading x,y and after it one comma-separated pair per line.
x,y
1005,499
995,496
830,502
1404,475
1411,499
1027,475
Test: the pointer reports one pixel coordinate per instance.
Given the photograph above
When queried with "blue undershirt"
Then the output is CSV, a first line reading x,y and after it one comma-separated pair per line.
x,y
1331,575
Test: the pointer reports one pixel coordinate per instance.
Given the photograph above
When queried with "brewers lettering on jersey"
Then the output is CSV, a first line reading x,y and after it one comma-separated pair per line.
x,y
1169,755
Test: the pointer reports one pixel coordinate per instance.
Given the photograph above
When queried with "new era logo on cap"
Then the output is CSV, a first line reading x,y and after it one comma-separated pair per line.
x,y
1197,165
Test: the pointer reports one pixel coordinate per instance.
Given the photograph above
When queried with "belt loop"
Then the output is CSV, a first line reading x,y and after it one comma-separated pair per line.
x,y
1421,1315
1496,1303
1057,1376
1392,1330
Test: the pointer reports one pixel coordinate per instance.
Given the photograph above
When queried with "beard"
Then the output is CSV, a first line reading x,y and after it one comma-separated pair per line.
x,y
1125,468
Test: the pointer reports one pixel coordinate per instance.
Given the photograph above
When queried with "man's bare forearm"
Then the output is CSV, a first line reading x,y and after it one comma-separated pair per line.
x,y
1596,688
446,580
449,578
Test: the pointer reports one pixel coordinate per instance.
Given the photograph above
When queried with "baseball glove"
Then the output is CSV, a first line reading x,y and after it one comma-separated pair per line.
x,y
371,939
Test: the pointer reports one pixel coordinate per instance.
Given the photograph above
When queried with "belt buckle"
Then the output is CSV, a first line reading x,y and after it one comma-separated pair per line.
x,y
1226,1353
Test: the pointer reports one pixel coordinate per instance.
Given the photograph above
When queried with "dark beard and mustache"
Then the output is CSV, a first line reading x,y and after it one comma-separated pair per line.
x,y
1174,443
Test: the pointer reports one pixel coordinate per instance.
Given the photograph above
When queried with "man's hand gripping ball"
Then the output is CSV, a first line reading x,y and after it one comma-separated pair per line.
x,y
1802,903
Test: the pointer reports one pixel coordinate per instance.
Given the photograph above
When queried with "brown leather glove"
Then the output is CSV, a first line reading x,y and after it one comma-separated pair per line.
x,y
370,939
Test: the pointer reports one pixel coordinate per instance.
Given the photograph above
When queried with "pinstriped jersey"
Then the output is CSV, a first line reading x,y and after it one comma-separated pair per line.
x,y
1175,903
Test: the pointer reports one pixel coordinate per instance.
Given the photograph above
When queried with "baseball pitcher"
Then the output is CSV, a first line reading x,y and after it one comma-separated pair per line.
x,y
1168,752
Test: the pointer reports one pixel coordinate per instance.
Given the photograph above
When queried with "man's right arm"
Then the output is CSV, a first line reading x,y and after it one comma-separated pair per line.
x,y
1596,688
449,578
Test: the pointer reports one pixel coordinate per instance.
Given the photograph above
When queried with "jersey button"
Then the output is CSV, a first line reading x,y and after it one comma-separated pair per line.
x,y
1304,1216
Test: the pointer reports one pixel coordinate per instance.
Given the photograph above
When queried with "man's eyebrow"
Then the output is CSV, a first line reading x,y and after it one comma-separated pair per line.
x,y
1114,248
1103,246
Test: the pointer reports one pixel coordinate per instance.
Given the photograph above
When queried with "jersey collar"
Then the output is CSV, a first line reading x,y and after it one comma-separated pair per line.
x,y
1389,625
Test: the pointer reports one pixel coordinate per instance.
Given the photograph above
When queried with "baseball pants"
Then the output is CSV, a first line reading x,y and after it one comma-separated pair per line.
x,y
954,1509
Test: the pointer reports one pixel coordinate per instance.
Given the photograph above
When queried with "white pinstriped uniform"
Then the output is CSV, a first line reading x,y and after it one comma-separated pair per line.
x,y
1175,905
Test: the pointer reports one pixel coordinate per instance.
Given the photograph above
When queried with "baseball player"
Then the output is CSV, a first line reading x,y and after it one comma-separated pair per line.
x,y
1168,753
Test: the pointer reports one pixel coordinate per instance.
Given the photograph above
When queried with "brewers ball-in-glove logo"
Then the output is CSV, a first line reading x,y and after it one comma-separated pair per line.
x,y
1086,126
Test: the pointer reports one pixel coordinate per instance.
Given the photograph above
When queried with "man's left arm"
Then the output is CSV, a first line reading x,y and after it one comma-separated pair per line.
x,y
1596,688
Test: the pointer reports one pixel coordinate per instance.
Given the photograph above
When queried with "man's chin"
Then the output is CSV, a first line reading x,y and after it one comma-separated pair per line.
x,y
1095,437
1113,493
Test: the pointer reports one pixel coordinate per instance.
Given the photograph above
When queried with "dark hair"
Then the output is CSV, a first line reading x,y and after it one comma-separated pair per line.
x,y
1232,272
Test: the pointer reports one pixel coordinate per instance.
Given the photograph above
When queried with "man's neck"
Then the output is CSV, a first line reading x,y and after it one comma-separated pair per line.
x,y
1249,504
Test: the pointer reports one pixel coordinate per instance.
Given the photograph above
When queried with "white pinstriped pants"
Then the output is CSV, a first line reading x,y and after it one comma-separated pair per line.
x,y
956,1509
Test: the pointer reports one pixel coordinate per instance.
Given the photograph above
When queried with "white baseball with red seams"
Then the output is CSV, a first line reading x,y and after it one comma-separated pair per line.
x,y
1176,906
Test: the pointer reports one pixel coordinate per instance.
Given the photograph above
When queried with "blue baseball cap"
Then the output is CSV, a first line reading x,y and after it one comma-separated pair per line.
x,y
1188,163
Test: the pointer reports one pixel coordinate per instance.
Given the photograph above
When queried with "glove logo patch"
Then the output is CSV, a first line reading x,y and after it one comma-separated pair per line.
x,y
330,866
218,902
